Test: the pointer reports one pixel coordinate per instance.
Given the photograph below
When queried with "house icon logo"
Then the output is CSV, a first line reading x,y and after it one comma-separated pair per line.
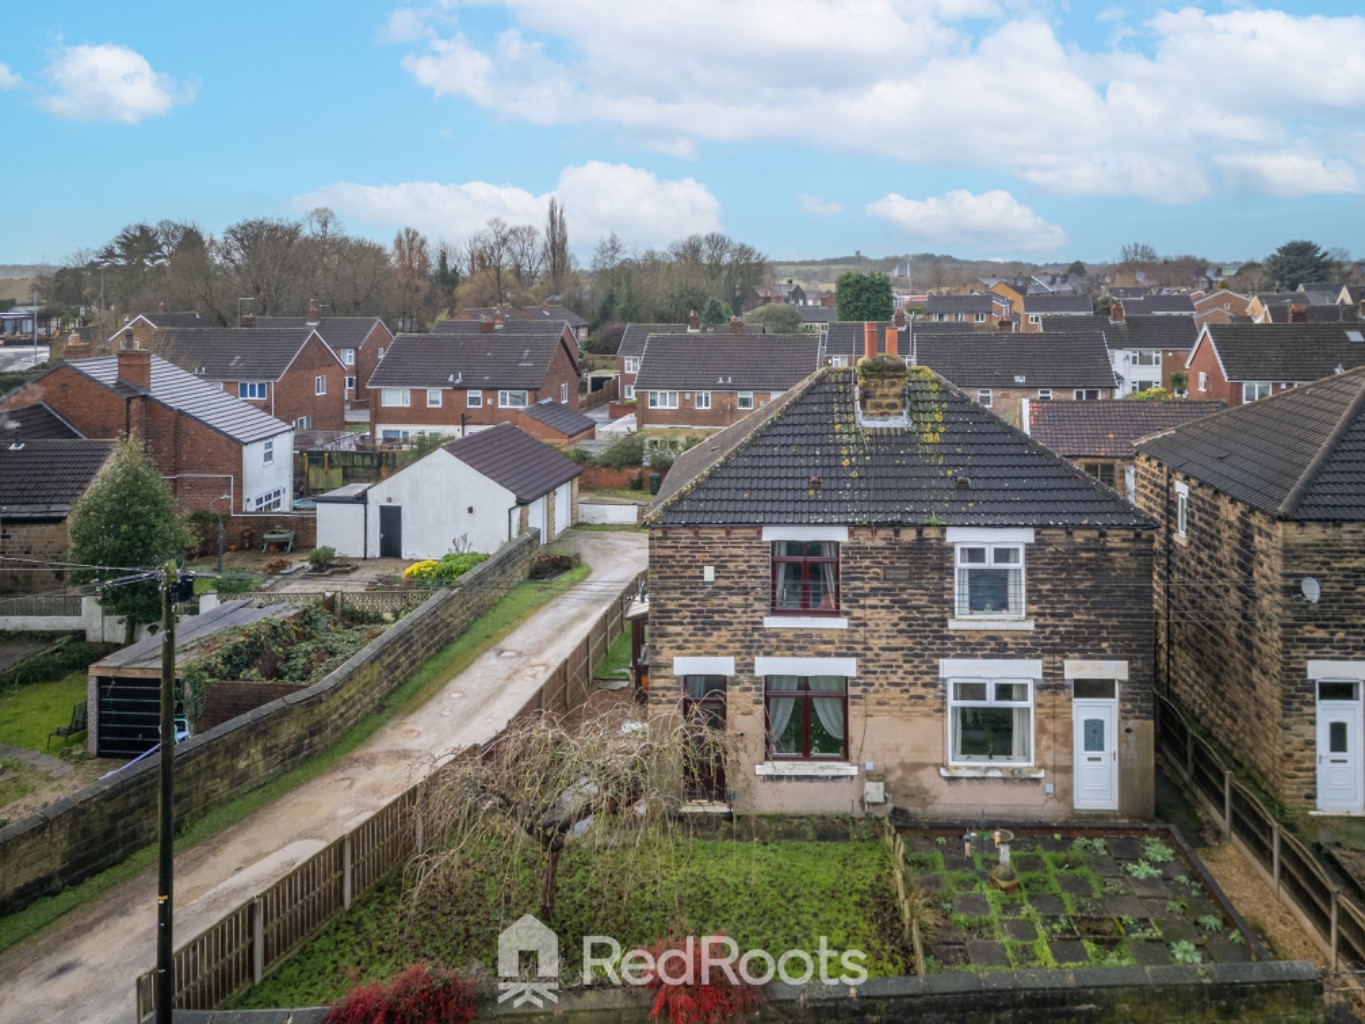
x,y
528,935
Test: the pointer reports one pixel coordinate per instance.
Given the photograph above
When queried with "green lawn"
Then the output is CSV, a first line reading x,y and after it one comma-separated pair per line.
x,y
616,659
29,712
773,896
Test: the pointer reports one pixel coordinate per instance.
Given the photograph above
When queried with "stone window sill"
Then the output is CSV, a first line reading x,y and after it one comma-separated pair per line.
x,y
803,622
806,769
987,772
995,625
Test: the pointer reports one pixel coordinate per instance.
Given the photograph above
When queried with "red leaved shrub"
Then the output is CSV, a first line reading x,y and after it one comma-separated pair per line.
x,y
690,995
420,995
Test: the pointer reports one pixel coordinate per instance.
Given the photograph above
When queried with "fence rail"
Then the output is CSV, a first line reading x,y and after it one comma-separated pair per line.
x,y
248,944
1299,880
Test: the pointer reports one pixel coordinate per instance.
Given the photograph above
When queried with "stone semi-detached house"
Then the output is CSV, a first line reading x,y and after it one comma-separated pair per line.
x,y
712,380
874,582
1242,363
1260,585
458,383
205,442
288,373
358,341
1002,370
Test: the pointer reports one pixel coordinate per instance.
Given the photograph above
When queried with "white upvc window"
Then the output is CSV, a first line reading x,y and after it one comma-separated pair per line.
x,y
744,400
703,400
348,356
350,383
630,392
268,453
1147,357
663,399
1254,391
563,394
473,399
397,398
983,397
251,389
303,423
632,364
1182,508
319,385
838,361
981,318
1203,381
433,398
272,501
1044,394
517,399
381,352
990,581
1035,318
990,722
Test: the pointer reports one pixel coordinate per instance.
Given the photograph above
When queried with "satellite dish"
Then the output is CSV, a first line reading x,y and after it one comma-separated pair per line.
x,y
1312,590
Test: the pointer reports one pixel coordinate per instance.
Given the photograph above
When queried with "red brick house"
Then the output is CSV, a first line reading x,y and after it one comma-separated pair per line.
x,y
712,380
1241,363
458,382
205,442
358,341
889,596
288,373
632,349
985,309
1259,609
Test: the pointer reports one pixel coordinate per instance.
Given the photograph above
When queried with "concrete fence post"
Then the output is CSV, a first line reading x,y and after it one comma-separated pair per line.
x,y
419,837
1275,858
347,863
257,942
1227,803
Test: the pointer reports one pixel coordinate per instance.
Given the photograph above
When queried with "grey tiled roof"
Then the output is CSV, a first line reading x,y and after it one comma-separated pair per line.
x,y
186,393
1165,332
186,318
232,353
635,336
1299,455
41,479
1165,305
514,459
1052,304
552,311
979,302
569,422
726,362
1332,314
514,326
1109,428
1284,352
467,360
818,314
338,332
35,422
1053,359
805,459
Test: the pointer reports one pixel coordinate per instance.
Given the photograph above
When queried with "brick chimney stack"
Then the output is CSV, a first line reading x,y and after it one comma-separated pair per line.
x,y
693,322
900,317
1116,312
736,325
1298,314
485,325
134,364
313,316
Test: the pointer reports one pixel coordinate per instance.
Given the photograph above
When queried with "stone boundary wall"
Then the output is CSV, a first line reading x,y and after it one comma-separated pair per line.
x,y
1272,993
80,835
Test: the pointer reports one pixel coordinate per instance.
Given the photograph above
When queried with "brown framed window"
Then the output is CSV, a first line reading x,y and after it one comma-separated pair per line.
x,y
806,717
806,577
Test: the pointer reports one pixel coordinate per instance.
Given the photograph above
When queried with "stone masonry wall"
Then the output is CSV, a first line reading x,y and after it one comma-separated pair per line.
x,y
1088,596
81,835
41,542
1219,620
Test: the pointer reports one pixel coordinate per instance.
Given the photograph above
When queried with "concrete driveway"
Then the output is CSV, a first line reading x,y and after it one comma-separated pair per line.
x,y
83,967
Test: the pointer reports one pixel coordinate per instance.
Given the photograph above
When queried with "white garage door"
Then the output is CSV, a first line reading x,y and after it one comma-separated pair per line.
x,y
563,506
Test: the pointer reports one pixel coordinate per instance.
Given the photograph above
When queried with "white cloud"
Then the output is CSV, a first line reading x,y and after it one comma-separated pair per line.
x,y
1290,173
930,82
109,82
819,207
598,198
994,219
9,79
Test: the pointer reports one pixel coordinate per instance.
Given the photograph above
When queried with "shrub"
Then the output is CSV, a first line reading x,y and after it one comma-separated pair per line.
x,y
450,567
420,995
323,558
1185,952
623,453
549,564
715,1000
66,655
276,566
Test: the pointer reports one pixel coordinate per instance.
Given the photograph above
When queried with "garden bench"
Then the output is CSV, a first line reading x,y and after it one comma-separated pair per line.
x,y
77,724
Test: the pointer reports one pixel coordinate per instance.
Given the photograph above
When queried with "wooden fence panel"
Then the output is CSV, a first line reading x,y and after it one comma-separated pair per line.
x,y
1303,879
1350,936
215,966
1208,774
380,843
300,903
1253,826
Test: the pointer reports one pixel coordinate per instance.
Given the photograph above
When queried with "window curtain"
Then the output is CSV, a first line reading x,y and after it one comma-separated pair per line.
x,y
830,712
822,578
788,585
779,717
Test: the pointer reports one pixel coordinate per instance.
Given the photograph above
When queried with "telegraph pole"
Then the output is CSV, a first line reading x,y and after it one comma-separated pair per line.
x,y
165,975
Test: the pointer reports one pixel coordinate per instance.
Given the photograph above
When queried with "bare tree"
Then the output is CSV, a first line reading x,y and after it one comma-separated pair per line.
x,y
557,264
411,269
263,257
525,254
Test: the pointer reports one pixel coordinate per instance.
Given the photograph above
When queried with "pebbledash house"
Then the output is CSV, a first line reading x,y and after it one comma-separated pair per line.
x,y
892,598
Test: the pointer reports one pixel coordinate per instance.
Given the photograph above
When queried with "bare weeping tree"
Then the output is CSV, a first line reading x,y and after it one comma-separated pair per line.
x,y
557,263
607,782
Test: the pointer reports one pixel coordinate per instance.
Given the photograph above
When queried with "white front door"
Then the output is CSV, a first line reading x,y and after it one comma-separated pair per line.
x,y
1095,728
1340,782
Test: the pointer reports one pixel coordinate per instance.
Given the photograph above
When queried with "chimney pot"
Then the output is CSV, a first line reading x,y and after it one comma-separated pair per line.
x,y
693,322
891,335
869,340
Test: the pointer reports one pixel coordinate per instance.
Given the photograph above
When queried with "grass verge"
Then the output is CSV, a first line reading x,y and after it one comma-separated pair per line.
x,y
616,659
485,631
28,713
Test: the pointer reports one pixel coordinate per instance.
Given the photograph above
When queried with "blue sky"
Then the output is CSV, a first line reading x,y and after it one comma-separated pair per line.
x,y
986,128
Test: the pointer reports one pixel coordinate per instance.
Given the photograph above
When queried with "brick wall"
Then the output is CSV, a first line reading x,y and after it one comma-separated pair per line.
x,y
367,358
724,409
1205,361
1007,402
1088,595
295,393
83,834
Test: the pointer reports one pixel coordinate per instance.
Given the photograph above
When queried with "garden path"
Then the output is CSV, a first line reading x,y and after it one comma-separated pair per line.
x,y
83,967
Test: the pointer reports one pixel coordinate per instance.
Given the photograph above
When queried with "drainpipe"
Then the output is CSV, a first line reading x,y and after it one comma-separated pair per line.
x,y
1167,518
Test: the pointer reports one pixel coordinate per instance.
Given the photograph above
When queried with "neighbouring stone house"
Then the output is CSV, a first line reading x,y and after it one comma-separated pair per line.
x,y
1259,605
886,593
